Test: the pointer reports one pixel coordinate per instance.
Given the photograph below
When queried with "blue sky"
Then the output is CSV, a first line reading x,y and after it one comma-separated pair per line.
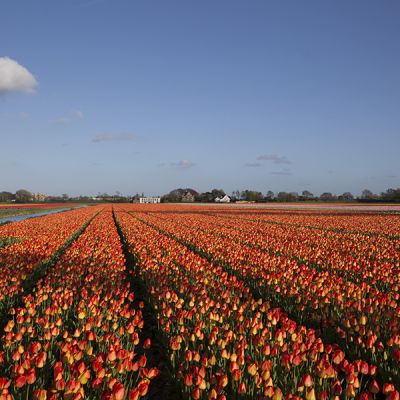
x,y
152,95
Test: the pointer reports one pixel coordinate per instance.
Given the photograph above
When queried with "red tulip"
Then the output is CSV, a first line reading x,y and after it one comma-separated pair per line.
x,y
20,381
143,387
118,391
307,381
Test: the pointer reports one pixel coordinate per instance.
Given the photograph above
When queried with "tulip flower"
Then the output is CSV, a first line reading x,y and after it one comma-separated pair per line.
x,y
40,394
242,388
134,394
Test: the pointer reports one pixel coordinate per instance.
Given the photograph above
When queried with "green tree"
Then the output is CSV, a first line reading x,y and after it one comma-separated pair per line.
x,y
307,195
293,196
217,193
392,195
282,196
327,196
23,196
251,195
236,195
346,196
206,197
270,195
368,195
6,196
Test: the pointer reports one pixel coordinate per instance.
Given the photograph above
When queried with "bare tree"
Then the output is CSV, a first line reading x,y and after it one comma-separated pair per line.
x,y
307,195
368,195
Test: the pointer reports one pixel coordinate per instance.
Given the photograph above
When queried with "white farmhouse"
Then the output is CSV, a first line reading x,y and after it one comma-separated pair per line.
x,y
225,199
149,200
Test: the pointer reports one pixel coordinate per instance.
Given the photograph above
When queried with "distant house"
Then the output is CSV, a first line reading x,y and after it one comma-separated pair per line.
x,y
224,199
188,196
181,195
149,200
135,199
39,196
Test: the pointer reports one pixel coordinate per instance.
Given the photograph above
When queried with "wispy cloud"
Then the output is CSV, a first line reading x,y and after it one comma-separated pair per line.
x,y
183,164
15,78
74,115
15,116
114,137
284,171
78,114
275,158
62,121
384,177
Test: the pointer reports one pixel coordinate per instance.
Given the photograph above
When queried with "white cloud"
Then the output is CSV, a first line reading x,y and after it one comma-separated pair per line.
x,y
183,164
14,77
252,165
78,114
15,116
62,120
284,171
275,158
114,137
70,117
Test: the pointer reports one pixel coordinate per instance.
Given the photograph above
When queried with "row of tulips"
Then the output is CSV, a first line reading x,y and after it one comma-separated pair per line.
x,y
38,241
373,223
77,335
376,224
366,322
7,241
369,223
225,344
360,258
373,259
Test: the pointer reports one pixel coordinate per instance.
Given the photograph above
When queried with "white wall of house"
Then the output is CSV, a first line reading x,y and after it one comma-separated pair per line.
x,y
149,200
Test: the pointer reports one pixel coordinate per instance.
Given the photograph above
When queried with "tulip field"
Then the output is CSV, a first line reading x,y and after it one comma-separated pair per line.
x,y
130,301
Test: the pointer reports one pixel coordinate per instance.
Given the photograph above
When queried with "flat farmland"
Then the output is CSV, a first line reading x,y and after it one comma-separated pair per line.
x,y
131,301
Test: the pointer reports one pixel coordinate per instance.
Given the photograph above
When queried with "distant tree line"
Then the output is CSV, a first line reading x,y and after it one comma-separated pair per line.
x,y
25,196
20,196
190,195
390,195
177,195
